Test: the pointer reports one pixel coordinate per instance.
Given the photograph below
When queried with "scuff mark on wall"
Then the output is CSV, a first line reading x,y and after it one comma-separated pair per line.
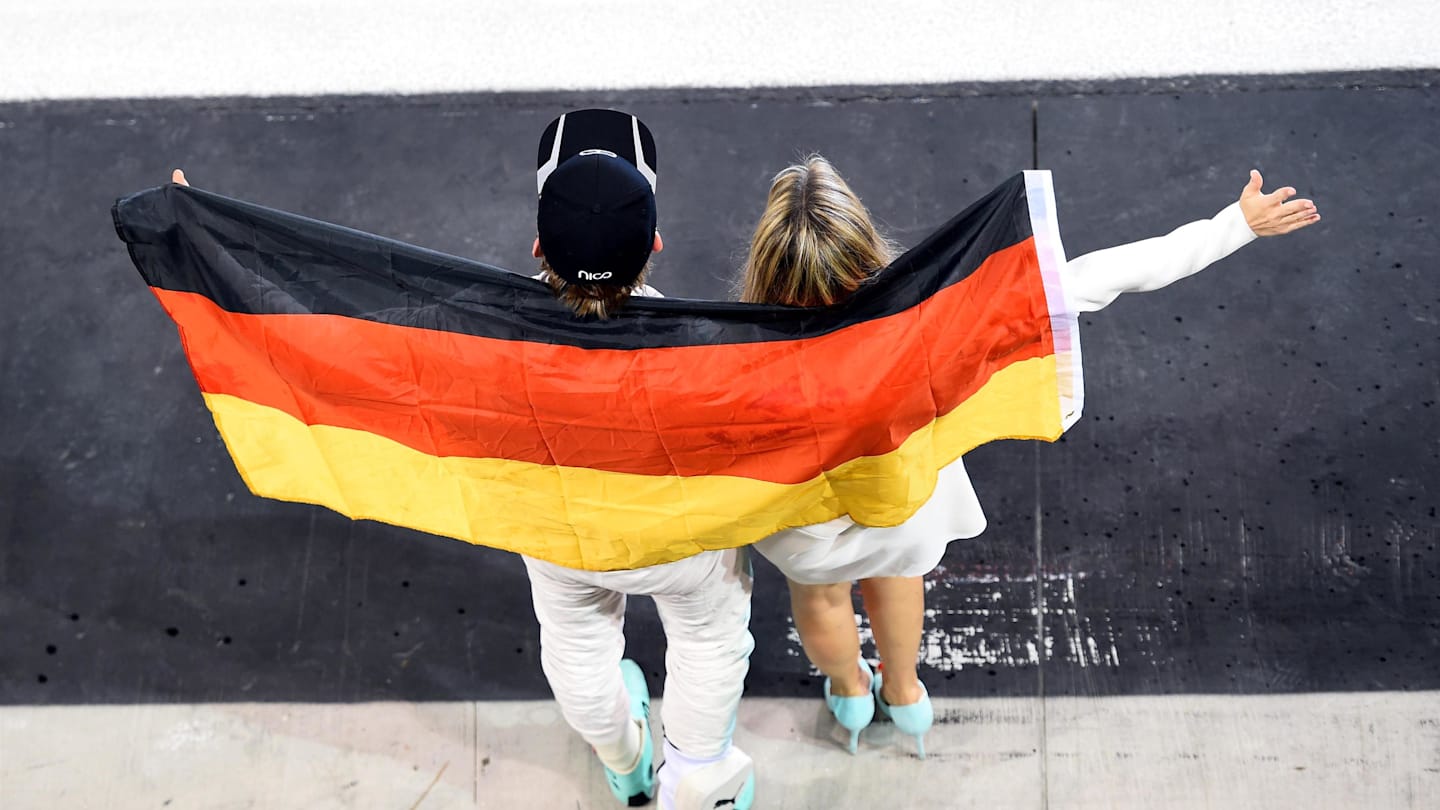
x,y
987,622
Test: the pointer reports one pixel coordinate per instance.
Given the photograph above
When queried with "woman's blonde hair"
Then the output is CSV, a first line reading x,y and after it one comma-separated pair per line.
x,y
598,300
815,243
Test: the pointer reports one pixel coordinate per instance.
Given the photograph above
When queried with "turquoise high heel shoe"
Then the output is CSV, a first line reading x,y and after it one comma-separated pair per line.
x,y
914,718
854,713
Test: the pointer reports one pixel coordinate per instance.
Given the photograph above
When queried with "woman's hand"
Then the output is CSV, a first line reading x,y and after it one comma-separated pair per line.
x,y
178,178
1270,214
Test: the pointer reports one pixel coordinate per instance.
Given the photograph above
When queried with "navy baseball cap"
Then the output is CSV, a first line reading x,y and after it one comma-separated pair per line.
x,y
595,173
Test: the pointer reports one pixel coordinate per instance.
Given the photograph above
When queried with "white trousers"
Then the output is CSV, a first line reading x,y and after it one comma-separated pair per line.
x,y
704,604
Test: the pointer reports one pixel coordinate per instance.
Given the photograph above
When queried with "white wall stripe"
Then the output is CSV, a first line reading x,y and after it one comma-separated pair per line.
x,y
147,48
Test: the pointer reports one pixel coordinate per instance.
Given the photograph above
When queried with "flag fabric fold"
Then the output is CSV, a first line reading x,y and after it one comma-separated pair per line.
x,y
393,383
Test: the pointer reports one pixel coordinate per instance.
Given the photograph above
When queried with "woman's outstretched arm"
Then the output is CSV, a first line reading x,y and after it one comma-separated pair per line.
x,y
1094,280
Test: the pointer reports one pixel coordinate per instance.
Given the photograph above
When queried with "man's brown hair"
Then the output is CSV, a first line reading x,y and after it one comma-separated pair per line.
x,y
590,300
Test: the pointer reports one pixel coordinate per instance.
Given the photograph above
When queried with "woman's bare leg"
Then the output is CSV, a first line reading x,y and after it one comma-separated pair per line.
x,y
825,617
896,607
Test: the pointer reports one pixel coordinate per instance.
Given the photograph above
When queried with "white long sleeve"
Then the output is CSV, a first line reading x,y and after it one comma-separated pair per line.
x,y
1094,280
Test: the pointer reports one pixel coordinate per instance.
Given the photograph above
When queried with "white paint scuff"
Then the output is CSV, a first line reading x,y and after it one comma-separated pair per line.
x,y
988,622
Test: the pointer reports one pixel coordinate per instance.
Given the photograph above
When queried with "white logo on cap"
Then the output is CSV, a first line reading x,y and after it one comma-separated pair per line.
x,y
598,152
588,276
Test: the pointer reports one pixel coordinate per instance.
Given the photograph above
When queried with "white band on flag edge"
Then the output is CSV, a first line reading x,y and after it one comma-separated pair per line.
x,y
1064,320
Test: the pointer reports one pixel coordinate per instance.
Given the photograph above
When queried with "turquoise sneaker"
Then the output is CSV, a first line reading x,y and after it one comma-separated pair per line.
x,y
727,783
746,799
636,788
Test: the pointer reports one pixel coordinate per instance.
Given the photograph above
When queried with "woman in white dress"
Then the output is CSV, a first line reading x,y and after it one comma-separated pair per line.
x,y
815,244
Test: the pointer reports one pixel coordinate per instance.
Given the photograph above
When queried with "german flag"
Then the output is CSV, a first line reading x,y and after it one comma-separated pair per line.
x,y
393,383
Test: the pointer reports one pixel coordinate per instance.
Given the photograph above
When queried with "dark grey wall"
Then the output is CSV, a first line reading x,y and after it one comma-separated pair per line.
x,y
1248,504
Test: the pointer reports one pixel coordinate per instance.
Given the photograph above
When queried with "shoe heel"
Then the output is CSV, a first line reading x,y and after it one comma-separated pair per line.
x,y
852,713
